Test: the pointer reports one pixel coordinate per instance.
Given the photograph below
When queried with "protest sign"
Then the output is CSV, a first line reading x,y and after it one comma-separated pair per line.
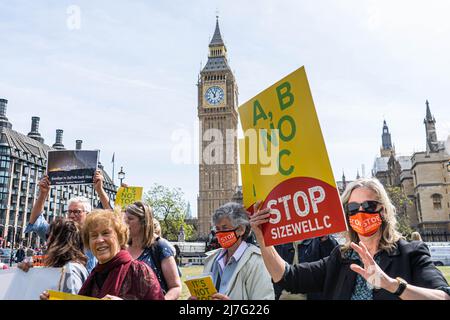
x,y
71,166
127,195
201,286
16,284
248,190
38,260
288,164
59,295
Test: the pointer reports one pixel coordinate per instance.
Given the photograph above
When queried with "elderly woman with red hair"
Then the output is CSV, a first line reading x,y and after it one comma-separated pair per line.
x,y
117,275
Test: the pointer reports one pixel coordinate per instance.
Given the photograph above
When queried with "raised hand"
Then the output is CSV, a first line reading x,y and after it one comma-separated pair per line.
x,y
258,218
98,181
371,272
44,186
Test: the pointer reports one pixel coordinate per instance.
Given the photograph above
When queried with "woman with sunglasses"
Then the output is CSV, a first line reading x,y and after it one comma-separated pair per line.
x,y
375,263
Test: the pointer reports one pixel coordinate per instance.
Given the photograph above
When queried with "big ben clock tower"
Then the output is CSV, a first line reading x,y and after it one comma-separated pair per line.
x,y
217,112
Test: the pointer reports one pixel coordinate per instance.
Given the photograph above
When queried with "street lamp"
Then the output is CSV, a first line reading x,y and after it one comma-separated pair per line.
x,y
12,246
121,175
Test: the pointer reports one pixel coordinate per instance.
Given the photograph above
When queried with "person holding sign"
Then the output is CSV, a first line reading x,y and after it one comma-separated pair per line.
x,y
144,245
128,195
374,264
117,275
79,207
65,249
237,268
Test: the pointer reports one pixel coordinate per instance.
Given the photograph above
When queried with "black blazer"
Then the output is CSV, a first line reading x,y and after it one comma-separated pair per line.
x,y
333,277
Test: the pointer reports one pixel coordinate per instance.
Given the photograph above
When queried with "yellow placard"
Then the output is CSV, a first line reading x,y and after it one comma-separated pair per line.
x,y
59,295
201,287
248,190
284,163
288,106
127,195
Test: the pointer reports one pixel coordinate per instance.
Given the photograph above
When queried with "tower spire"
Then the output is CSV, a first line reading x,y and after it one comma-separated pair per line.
x,y
386,137
386,147
217,37
429,117
217,58
430,130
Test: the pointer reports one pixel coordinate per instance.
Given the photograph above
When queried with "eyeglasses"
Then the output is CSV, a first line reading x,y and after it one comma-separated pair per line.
x,y
369,206
75,212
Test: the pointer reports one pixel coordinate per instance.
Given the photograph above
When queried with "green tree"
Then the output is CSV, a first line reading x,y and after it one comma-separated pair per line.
x,y
170,208
401,202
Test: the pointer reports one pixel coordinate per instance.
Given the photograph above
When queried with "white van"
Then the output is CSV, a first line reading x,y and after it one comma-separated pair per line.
x,y
440,253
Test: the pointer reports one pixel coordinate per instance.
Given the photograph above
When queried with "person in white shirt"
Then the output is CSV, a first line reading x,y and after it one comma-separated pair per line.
x,y
237,268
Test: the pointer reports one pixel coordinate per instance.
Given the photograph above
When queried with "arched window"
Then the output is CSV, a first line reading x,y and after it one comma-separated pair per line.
x,y
437,201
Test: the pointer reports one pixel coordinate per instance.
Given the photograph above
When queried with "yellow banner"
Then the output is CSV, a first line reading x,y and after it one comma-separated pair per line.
x,y
201,287
248,190
127,195
284,163
58,295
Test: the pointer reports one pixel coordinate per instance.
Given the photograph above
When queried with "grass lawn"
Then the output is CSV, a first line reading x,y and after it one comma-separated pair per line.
x,y
446,272
188,271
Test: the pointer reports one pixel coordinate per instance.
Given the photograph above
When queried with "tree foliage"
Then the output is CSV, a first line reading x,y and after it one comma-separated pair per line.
x,y
170,208
401,202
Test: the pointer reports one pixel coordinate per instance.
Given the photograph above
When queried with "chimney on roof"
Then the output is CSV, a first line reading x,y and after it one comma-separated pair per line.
x,y
78,144
58,143
34,133
4,122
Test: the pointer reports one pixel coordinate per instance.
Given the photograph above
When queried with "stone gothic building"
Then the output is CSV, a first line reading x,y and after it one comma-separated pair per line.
x,y
423,177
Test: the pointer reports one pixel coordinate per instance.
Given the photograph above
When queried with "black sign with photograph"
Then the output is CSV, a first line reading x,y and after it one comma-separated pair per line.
x,y
71,166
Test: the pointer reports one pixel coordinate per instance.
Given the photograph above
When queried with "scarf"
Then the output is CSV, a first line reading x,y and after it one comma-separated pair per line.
x,y
116,268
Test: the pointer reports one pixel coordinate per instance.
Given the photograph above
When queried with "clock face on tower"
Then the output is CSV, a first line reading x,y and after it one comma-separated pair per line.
x,y
214,95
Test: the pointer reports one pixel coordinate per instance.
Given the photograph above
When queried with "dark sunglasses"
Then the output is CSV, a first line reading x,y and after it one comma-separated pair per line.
x,y
369,206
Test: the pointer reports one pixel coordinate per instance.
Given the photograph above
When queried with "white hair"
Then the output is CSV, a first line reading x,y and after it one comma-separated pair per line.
x,y
237,215
84,201
389,233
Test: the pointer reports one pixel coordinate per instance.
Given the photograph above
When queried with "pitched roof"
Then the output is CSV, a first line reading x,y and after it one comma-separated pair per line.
x,y
216,64
217,37
21,143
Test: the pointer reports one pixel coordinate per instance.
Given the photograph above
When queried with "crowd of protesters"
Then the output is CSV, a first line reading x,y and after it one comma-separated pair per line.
x,y
119,253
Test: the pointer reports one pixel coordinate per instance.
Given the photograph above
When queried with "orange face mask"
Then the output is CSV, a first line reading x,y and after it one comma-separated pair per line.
x,y
227,239
365,224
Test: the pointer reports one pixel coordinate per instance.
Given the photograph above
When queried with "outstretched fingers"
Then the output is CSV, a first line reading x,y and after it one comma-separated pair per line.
x,y
358,269
261,215
363,253
256,206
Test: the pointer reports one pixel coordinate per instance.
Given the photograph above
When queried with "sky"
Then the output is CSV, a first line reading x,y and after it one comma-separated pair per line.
x,y
121,75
